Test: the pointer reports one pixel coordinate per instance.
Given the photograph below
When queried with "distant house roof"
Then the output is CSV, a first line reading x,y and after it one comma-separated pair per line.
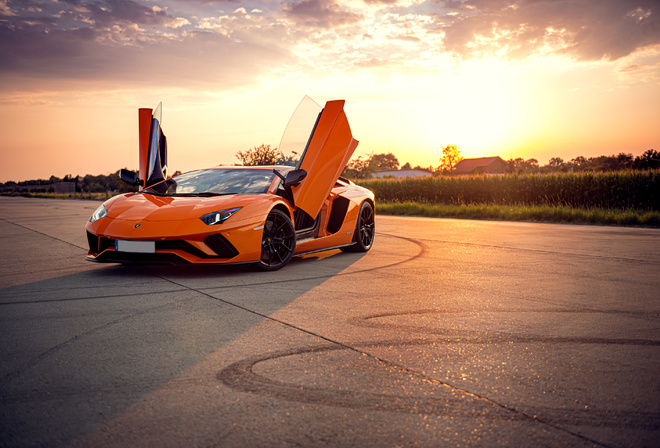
x,y
401,174
493,165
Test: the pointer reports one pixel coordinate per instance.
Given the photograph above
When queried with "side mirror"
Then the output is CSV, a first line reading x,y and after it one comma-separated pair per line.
x,y
294,178
129,177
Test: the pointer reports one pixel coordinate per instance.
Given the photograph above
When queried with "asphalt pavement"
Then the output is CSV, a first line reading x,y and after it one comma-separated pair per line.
x,y
447,333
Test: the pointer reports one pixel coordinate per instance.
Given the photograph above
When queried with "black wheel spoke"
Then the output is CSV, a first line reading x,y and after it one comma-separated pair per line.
x,y
280,227
278,241
364,229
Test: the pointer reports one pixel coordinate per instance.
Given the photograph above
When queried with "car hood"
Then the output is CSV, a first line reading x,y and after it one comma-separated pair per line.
x,y
148,207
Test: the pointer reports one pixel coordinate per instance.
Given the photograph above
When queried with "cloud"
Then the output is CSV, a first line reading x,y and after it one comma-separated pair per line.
x,y
631,68
36,48
201,59
5,10
585,29
405,38
209,2
371,63
123,44
177,23
381,2
112,11
193,43
320,13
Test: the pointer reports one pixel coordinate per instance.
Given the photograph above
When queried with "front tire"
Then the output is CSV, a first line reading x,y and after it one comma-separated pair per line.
x,y
278,242
365,230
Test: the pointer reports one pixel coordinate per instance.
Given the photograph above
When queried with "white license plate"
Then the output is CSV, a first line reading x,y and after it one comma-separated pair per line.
x,y
143,247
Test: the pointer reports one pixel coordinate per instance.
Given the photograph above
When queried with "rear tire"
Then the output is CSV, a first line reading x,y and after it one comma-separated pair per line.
x,y
365,230
278,242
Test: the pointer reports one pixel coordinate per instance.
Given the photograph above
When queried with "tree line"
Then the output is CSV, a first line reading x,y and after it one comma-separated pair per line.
x,y
71,184
357,168
650,160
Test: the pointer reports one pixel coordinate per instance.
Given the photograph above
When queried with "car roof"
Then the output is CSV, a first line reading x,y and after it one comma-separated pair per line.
x,y
258,167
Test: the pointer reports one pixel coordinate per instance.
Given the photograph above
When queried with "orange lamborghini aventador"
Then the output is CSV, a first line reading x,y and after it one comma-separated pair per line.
x,y
261,215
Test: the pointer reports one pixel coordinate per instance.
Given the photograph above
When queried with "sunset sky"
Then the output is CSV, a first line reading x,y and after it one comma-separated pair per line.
x,y
527,78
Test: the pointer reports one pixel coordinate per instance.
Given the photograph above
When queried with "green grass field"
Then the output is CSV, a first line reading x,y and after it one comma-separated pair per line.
x,y
538,213
634,190
619,198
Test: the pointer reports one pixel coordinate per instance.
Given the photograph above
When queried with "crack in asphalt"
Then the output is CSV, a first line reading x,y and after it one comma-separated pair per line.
x,y
73,299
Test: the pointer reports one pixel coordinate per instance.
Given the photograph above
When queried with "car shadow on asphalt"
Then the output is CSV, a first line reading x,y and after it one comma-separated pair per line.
x,y
82,347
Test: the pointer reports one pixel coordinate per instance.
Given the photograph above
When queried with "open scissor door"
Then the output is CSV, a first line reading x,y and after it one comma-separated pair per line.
x,y
153,147
328,148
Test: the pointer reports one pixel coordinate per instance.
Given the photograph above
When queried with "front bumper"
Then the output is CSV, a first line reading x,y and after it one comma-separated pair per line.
x,y
219,250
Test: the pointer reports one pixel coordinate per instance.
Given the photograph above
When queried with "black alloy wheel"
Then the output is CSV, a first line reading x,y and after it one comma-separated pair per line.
x,y
278,242
365,230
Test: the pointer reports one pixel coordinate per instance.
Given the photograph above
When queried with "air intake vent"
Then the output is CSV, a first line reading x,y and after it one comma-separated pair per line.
x,y
93,241
337,214
220,246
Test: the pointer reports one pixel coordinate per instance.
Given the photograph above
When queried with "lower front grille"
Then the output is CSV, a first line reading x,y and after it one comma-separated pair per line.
x,y
223,248
98,245
93,242
128,257
181,245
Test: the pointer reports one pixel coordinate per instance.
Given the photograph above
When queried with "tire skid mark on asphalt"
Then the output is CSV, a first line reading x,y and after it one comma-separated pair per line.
x,y
471,337
633,314
338,345
241,376
568,309
233,375
423,249
564,309
543,251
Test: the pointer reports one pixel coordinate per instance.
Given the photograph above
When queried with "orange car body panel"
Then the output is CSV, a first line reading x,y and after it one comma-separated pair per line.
x,y
342,237
144,133
329,149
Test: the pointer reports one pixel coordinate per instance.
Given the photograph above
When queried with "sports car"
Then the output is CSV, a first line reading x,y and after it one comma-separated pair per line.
x,y
258,215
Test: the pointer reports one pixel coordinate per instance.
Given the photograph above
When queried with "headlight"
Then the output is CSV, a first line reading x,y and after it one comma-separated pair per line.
x,y
99,213
218,217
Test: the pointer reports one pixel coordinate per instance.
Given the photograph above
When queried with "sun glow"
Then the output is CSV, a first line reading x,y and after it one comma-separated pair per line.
x,y
476,107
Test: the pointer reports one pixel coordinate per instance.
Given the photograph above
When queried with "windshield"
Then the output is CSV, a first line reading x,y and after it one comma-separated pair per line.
x,y
300,127
215,182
